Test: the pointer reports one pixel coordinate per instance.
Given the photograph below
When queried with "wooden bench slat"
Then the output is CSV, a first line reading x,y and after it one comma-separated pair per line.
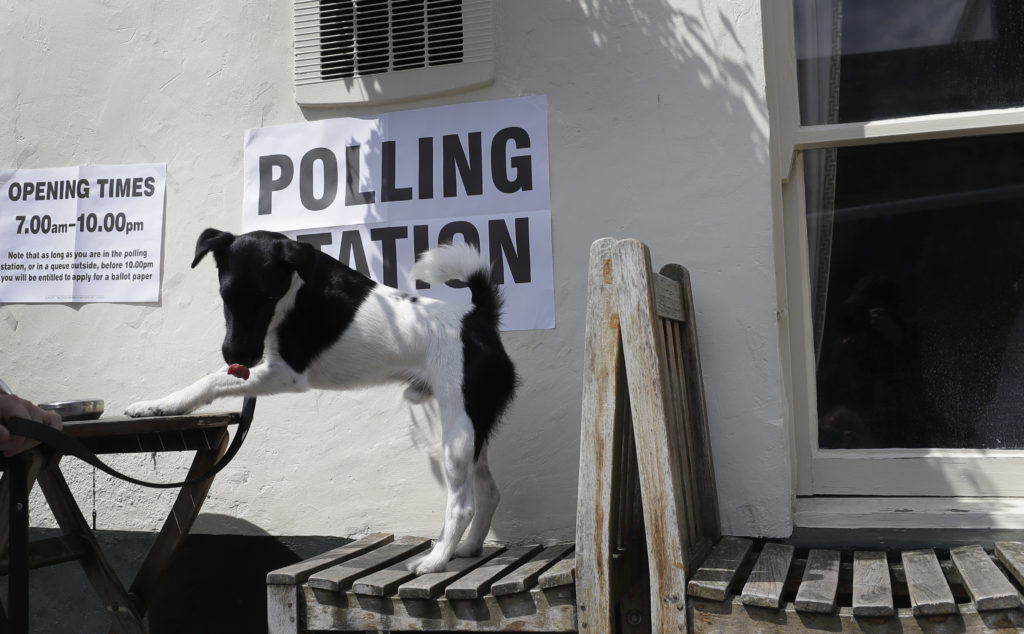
x,y
430,585
476,584
341,576
563,573
299,572
525,577
385,582
872,586
716,576
820,583
764,586
533,611
1011,554
929,593
985,584
735,618
668,301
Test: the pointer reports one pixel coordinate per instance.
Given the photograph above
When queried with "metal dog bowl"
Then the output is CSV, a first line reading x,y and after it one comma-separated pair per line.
x,y
83,409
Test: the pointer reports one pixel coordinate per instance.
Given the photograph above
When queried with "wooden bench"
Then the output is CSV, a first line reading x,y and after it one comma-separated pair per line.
x,y
599,583
770,587
745,585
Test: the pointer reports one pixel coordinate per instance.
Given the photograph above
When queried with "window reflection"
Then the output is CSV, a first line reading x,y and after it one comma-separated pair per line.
x,y
922,332
874,59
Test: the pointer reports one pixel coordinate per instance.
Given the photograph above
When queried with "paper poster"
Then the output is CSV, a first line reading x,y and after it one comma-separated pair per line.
x,y
376,191
81,234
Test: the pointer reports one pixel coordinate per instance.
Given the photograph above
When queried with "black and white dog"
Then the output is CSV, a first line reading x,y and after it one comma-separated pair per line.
x,y
303,320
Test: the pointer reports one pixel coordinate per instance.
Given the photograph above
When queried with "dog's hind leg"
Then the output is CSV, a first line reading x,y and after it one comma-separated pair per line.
x,y
458,440
486,496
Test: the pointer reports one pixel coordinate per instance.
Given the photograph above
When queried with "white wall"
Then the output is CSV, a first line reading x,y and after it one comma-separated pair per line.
x,y
658,130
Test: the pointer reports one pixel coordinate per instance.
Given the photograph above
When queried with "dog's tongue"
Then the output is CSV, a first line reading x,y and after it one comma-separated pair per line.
x,y
239,370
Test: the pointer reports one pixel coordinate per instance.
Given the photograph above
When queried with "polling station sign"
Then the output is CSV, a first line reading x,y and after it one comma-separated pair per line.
x,y
375,191
81,234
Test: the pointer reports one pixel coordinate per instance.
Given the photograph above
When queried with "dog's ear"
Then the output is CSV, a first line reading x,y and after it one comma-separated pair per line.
x,y
301,256
211,240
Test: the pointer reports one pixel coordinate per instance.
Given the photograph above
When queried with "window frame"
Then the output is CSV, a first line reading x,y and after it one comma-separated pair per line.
x,y
966,474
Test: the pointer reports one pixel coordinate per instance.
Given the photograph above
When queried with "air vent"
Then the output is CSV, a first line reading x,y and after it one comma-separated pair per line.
x,y
377,51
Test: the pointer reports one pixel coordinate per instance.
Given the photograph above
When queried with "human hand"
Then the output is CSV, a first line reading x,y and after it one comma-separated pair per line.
x,y
12,406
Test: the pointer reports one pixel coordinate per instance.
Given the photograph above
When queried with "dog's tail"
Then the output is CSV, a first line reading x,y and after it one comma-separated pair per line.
x,y
462,262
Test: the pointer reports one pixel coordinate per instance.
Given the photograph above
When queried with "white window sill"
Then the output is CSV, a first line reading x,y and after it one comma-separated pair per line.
x,y
959,513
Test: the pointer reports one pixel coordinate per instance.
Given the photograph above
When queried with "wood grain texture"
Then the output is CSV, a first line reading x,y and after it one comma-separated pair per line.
x,y
341,576
478,582
600,425
431,585
661,477
732,617
820,582
301,571
668,299
1011,555
929,592
534,611
984,582
766,580
284,609
562,573
385,581
716,577
872,586
697,418
525,576
123,425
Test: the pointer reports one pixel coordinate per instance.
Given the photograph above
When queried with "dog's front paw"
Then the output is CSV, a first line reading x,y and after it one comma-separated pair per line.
x,y
431,562
154,408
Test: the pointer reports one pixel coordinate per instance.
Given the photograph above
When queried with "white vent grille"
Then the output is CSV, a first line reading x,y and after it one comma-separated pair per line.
x,y
374,51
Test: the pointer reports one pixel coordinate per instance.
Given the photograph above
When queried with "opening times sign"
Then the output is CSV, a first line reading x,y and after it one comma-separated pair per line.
x,y
376,191
81,234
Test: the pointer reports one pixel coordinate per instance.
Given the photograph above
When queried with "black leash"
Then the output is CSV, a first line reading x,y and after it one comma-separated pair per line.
x,y
17,550
70,446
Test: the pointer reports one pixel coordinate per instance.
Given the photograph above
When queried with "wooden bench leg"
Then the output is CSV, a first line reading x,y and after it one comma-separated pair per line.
x,y
101,574
177,525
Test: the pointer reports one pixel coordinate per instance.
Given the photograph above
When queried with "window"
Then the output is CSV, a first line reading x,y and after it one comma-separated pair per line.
x,y
901,146
377,51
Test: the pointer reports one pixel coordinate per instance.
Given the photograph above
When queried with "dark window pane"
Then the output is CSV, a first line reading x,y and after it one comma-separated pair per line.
x,y
860,60
920,272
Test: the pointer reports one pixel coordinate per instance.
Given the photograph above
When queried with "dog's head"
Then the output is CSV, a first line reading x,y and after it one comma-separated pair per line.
x,y
255,271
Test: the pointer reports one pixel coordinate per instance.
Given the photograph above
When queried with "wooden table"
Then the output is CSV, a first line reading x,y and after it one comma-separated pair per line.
x,y
206,434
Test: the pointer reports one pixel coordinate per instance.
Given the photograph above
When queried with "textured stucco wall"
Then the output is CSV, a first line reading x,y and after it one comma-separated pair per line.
x,y
658,130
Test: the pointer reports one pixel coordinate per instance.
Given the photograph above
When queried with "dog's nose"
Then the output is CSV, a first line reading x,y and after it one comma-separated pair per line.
x,y
237,354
